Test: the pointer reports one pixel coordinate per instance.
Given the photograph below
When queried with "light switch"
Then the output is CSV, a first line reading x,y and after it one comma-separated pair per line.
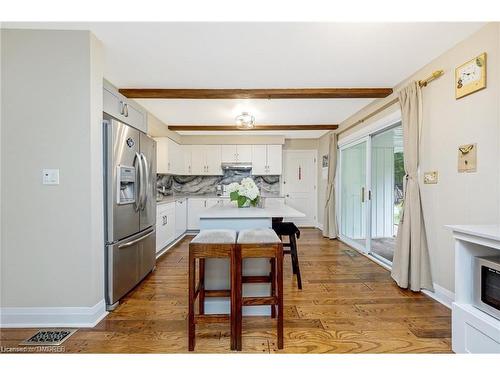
x,y
50,176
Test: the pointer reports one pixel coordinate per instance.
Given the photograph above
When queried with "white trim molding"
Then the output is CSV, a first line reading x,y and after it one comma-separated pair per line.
x,y
34,317
442,295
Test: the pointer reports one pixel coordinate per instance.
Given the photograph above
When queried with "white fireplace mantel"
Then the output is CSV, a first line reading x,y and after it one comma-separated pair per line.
x,y
473,331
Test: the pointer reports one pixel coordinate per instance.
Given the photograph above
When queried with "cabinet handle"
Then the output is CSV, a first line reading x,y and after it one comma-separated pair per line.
x,y
126,110
168,165
122,108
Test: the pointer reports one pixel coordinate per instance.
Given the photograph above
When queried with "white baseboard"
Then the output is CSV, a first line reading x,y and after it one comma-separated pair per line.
x,y
34,317
442,295
170,245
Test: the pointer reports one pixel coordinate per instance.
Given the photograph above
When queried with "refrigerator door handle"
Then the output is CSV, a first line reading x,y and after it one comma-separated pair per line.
x,y
146,180
133,242
138,200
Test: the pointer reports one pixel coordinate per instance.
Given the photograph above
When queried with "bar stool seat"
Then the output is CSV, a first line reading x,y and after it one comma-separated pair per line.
x,y
215,236
260,235
212,243
259,243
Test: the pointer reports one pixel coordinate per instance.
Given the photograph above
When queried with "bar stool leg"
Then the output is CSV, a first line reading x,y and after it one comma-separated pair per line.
x,y
192,286
201,277
238,298
295,259
234,298
273,286
279,274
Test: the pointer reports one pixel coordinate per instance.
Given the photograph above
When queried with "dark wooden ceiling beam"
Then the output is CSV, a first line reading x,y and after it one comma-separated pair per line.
x,y
255,128
304,93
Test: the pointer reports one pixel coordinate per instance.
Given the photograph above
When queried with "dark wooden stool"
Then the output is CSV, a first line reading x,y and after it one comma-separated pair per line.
x,y
259,243
213,243
289,229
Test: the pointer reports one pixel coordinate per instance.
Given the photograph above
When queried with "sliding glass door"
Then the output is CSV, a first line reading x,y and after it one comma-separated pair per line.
x,y
387,173
352,194
371,192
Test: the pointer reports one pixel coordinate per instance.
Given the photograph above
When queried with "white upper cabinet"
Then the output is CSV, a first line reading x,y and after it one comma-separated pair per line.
x,y
162,155
236,153
274,159
175,157
186,152
228,153
266,160
169,156
123,109
213,159
206,160
244,153
259,160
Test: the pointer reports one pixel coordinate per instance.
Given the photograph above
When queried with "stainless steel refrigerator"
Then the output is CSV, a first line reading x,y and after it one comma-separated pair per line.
x,y
130,207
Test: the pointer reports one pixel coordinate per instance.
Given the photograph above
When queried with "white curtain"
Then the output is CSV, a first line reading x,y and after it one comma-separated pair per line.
x,y
329,217
411,264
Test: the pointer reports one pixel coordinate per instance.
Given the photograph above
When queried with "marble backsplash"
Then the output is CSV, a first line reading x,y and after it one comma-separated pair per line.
x,y
197,185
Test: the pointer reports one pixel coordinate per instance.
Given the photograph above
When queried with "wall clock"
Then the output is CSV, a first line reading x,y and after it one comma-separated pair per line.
x,y
470,77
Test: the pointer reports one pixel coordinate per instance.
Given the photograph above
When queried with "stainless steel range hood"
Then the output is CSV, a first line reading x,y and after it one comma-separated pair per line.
x,y
237,166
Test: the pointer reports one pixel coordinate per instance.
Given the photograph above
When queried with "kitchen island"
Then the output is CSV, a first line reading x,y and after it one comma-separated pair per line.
x,y
228,216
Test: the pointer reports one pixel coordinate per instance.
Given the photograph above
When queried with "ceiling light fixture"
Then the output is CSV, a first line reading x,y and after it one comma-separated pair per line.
x,y
245,120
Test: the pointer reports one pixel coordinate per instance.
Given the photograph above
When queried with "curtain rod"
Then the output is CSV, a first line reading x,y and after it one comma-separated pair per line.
x,y
421,83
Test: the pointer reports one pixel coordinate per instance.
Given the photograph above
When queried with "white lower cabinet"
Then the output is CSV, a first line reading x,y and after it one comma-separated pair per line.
x,y
180,217
165,225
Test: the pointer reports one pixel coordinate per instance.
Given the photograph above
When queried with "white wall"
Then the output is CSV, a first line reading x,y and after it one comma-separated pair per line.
x,y
52,251
458,198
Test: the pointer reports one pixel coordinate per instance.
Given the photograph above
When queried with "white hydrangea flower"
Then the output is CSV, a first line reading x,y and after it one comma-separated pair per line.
x,y
233,187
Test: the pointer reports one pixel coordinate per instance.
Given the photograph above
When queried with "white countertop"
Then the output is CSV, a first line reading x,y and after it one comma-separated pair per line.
x,y
229,212
491,232
173,198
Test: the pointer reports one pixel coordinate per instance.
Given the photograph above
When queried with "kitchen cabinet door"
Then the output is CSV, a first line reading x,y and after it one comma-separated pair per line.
x,y
162,155
213,155
165,225
198,160
123,109
195,205
259,160
274,159
244,153
180,217
175,157
229,153
186,152
135,116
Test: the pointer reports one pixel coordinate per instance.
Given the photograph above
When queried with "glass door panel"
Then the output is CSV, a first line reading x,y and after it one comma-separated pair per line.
x,y
352,194
387,172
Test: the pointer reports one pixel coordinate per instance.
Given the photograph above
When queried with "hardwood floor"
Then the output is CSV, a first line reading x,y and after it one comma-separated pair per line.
x,y
348,305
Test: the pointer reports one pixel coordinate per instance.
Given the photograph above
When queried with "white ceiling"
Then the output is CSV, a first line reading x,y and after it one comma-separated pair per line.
x,y
264,55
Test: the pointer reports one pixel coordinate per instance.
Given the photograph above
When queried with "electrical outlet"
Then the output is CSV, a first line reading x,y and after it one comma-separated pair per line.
x,y
431,177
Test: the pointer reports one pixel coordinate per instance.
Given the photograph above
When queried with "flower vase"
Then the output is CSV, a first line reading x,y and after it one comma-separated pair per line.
x,y
246,204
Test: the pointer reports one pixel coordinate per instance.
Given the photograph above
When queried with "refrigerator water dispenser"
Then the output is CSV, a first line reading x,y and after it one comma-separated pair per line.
x,y
126,184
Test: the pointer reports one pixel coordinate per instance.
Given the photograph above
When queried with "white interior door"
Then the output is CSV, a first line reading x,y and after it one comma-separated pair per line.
x,y
299,184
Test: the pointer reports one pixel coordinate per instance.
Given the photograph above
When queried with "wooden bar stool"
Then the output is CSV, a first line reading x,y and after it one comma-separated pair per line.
x,y
259,243
212,243
283,228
